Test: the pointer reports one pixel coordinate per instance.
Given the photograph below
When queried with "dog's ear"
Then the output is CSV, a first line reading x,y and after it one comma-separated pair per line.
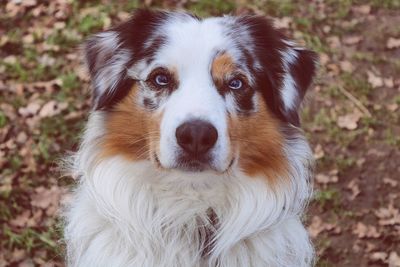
x,y
106,61
286,69
109,54
299,66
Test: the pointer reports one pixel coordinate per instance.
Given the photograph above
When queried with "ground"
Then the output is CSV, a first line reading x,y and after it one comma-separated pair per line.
x,y
351,117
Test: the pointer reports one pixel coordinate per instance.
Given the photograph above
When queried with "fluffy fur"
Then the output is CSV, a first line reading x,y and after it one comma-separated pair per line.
x,y
135,204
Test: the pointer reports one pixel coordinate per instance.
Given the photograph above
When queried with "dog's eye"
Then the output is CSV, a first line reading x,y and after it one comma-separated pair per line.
x,y
235,84
162,79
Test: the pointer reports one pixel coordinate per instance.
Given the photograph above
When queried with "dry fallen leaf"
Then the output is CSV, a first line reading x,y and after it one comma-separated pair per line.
x,y
355,189
394,259
352,40
388,82
52,108
323,58
388,216
47,199
31,109
18,255
393,43
27,263
318,152
378,256
349,121
331,177
317,226
334,42
365,231
282,23
390,182
362,9
21,220
374,79
346,66
392,107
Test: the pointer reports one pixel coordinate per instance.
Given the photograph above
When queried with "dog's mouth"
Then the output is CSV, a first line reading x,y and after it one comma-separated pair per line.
x,y
193,164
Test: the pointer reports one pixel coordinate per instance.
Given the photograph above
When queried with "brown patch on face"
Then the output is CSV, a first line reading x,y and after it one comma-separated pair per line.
x,y
222,66
131,131
260,144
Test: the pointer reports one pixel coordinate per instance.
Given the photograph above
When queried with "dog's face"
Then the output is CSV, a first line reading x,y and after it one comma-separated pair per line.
x,y
197,95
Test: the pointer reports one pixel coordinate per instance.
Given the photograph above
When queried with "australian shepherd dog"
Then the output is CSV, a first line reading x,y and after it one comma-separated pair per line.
x,y
192,154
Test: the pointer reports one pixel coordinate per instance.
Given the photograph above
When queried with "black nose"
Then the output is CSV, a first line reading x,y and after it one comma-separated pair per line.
x,y
196,137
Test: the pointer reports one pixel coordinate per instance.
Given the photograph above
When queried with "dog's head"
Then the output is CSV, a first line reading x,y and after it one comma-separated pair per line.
x,y
198,94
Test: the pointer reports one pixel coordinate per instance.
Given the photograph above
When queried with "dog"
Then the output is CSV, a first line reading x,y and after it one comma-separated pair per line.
x,y
193,154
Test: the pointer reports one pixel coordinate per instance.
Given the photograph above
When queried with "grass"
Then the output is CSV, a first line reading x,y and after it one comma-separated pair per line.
x,y
391,138
328,198
205,8
3,119
31,239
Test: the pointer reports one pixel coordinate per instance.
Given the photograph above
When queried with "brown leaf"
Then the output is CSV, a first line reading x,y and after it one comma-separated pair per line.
x,y
365,231
282,23
362,9
394,259
47,199
390,182
317,226
323,58
355,189
349,121
374,79
346,66
392,107
22,219
334,42
52,108
378,256
27,263
388,216
332,177
122,15
318,152
352,40
31,109
393,43
388,82
18,255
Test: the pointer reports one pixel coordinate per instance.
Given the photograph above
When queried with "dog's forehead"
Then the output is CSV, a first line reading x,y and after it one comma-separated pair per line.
x,y
190,41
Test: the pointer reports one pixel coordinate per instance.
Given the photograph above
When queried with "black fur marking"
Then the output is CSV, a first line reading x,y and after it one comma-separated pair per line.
x,y
148,103
132,35
105,101
244,100
268,43
302,72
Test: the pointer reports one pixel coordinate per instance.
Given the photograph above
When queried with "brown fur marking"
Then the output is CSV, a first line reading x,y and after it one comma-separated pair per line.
x,y
131,131
260,144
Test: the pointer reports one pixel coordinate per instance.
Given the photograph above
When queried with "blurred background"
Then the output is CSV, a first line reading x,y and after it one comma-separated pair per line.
x,y
352,118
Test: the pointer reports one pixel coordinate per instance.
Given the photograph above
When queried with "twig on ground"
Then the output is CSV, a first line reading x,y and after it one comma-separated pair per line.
x,y
357,102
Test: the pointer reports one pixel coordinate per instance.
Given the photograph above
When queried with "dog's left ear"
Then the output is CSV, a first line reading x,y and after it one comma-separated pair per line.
x,y
299,68
287,70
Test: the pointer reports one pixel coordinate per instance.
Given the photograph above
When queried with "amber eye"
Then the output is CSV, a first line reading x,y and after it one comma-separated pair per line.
x,y
235,84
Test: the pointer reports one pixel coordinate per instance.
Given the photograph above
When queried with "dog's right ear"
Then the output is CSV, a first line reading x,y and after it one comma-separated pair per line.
x,y
109,54
106,61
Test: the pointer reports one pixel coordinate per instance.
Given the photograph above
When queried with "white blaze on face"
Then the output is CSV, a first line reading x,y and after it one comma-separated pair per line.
x,y
190,49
